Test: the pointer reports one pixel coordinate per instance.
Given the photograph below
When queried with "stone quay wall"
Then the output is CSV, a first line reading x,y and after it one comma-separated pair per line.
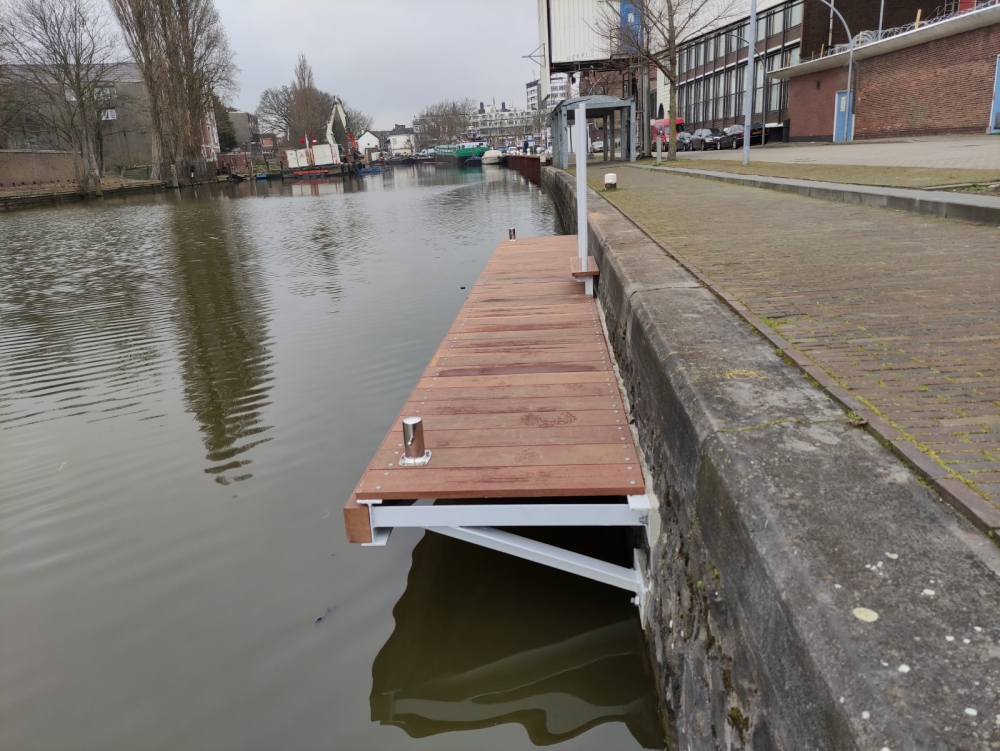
x,y
810,592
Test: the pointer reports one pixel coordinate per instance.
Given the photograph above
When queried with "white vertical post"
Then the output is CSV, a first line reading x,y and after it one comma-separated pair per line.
x,y
581,190
581,180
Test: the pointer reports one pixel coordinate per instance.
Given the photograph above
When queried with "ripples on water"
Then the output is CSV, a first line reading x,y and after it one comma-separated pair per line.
x,y
190,386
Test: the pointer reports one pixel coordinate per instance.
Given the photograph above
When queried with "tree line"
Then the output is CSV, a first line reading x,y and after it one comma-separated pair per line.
x,y
60,60
445,122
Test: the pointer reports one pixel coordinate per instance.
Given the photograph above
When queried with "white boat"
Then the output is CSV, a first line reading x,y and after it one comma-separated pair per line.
x,y
492,157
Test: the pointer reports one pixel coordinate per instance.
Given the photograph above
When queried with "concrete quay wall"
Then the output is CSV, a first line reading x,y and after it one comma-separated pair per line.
x,y
810,592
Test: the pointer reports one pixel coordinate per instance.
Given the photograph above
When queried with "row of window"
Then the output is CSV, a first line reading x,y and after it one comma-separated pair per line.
x,y
720,96
734,38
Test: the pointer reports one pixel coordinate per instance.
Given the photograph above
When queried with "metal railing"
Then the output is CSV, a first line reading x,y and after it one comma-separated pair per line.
x,y
870,37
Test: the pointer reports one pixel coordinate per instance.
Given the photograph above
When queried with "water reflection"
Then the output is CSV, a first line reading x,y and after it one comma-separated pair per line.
x,y
484,638
222,315
79,311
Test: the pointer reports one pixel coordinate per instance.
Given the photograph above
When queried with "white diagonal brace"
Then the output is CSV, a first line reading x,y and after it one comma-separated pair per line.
x,y
549,555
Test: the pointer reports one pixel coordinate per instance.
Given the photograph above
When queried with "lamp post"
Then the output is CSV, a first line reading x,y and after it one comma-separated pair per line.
x,y
748,88
748,100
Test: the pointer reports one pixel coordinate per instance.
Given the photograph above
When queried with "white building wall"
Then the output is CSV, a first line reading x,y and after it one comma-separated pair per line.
x,y
368,140
402,144
573,28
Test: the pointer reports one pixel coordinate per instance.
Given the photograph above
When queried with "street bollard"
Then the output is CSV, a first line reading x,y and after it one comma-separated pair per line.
x,y
611,181
512,234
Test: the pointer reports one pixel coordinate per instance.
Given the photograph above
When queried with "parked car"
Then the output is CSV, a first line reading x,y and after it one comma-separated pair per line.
x,y
732,137
596,147
683,141
706,138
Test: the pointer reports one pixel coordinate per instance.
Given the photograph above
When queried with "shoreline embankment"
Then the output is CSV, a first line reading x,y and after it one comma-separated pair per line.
x,y
810,591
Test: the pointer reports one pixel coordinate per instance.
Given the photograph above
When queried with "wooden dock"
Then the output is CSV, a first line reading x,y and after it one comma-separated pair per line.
x,y
520,401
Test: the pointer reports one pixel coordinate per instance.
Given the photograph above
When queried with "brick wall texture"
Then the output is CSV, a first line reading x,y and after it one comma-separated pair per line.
x,y
35,167
810,107
942,86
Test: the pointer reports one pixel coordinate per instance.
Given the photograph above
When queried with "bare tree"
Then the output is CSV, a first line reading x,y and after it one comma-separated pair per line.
x,y
651,32
184,55
14,94
447,120
308,107
138,21
275,110
357,121
63,55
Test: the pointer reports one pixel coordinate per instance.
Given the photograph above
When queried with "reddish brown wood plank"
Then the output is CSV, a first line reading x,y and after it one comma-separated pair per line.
x,y
515,456
531,379
357,521
566,419
540,433
515,392
515,369
577,270
492,406
498,482
493,358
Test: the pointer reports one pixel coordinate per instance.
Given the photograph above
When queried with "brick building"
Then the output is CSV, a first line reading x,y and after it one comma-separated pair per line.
x,y
919,79
712,65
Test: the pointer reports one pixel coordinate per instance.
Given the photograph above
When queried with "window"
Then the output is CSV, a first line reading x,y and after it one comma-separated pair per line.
x,y
796,15
682,62
773,88
741,77
762,27
790,57
731,94
758,77
720,96
699,51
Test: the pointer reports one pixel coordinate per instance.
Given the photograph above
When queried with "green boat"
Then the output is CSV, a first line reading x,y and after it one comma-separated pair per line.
x,y
456,153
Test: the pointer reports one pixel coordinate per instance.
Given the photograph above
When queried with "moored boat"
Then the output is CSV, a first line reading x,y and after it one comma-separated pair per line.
x,y
458,153
492,157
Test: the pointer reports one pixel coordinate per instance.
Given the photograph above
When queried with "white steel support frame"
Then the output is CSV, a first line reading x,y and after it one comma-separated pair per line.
x,y
580,137
476,523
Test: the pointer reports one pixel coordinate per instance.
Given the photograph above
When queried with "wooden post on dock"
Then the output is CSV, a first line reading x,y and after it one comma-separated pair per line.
x,y
580,137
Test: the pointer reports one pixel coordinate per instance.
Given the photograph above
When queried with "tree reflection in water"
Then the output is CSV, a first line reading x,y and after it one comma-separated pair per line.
x,y
483,638
222,316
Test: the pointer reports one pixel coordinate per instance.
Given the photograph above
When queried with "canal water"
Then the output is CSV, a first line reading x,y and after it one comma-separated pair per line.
x,y
190,386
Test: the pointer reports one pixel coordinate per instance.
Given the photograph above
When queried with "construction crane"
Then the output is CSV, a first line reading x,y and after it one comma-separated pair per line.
x,y
347,140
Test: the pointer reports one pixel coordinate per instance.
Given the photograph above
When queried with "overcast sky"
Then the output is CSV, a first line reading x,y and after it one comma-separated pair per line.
x,y
390,58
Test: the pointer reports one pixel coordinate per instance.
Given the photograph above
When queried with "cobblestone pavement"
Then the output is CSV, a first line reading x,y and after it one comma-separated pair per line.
x,y
903,310
965,152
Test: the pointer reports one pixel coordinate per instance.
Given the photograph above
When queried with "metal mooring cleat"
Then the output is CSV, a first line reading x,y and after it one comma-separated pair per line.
x,y
414,454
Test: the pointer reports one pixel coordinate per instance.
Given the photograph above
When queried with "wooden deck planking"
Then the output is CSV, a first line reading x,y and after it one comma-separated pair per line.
x,y
519,400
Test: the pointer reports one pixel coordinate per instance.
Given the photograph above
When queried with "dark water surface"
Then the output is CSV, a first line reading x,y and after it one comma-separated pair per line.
x,y
190,387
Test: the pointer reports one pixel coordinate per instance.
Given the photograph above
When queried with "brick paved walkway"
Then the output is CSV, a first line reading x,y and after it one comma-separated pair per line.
x,y
902,310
